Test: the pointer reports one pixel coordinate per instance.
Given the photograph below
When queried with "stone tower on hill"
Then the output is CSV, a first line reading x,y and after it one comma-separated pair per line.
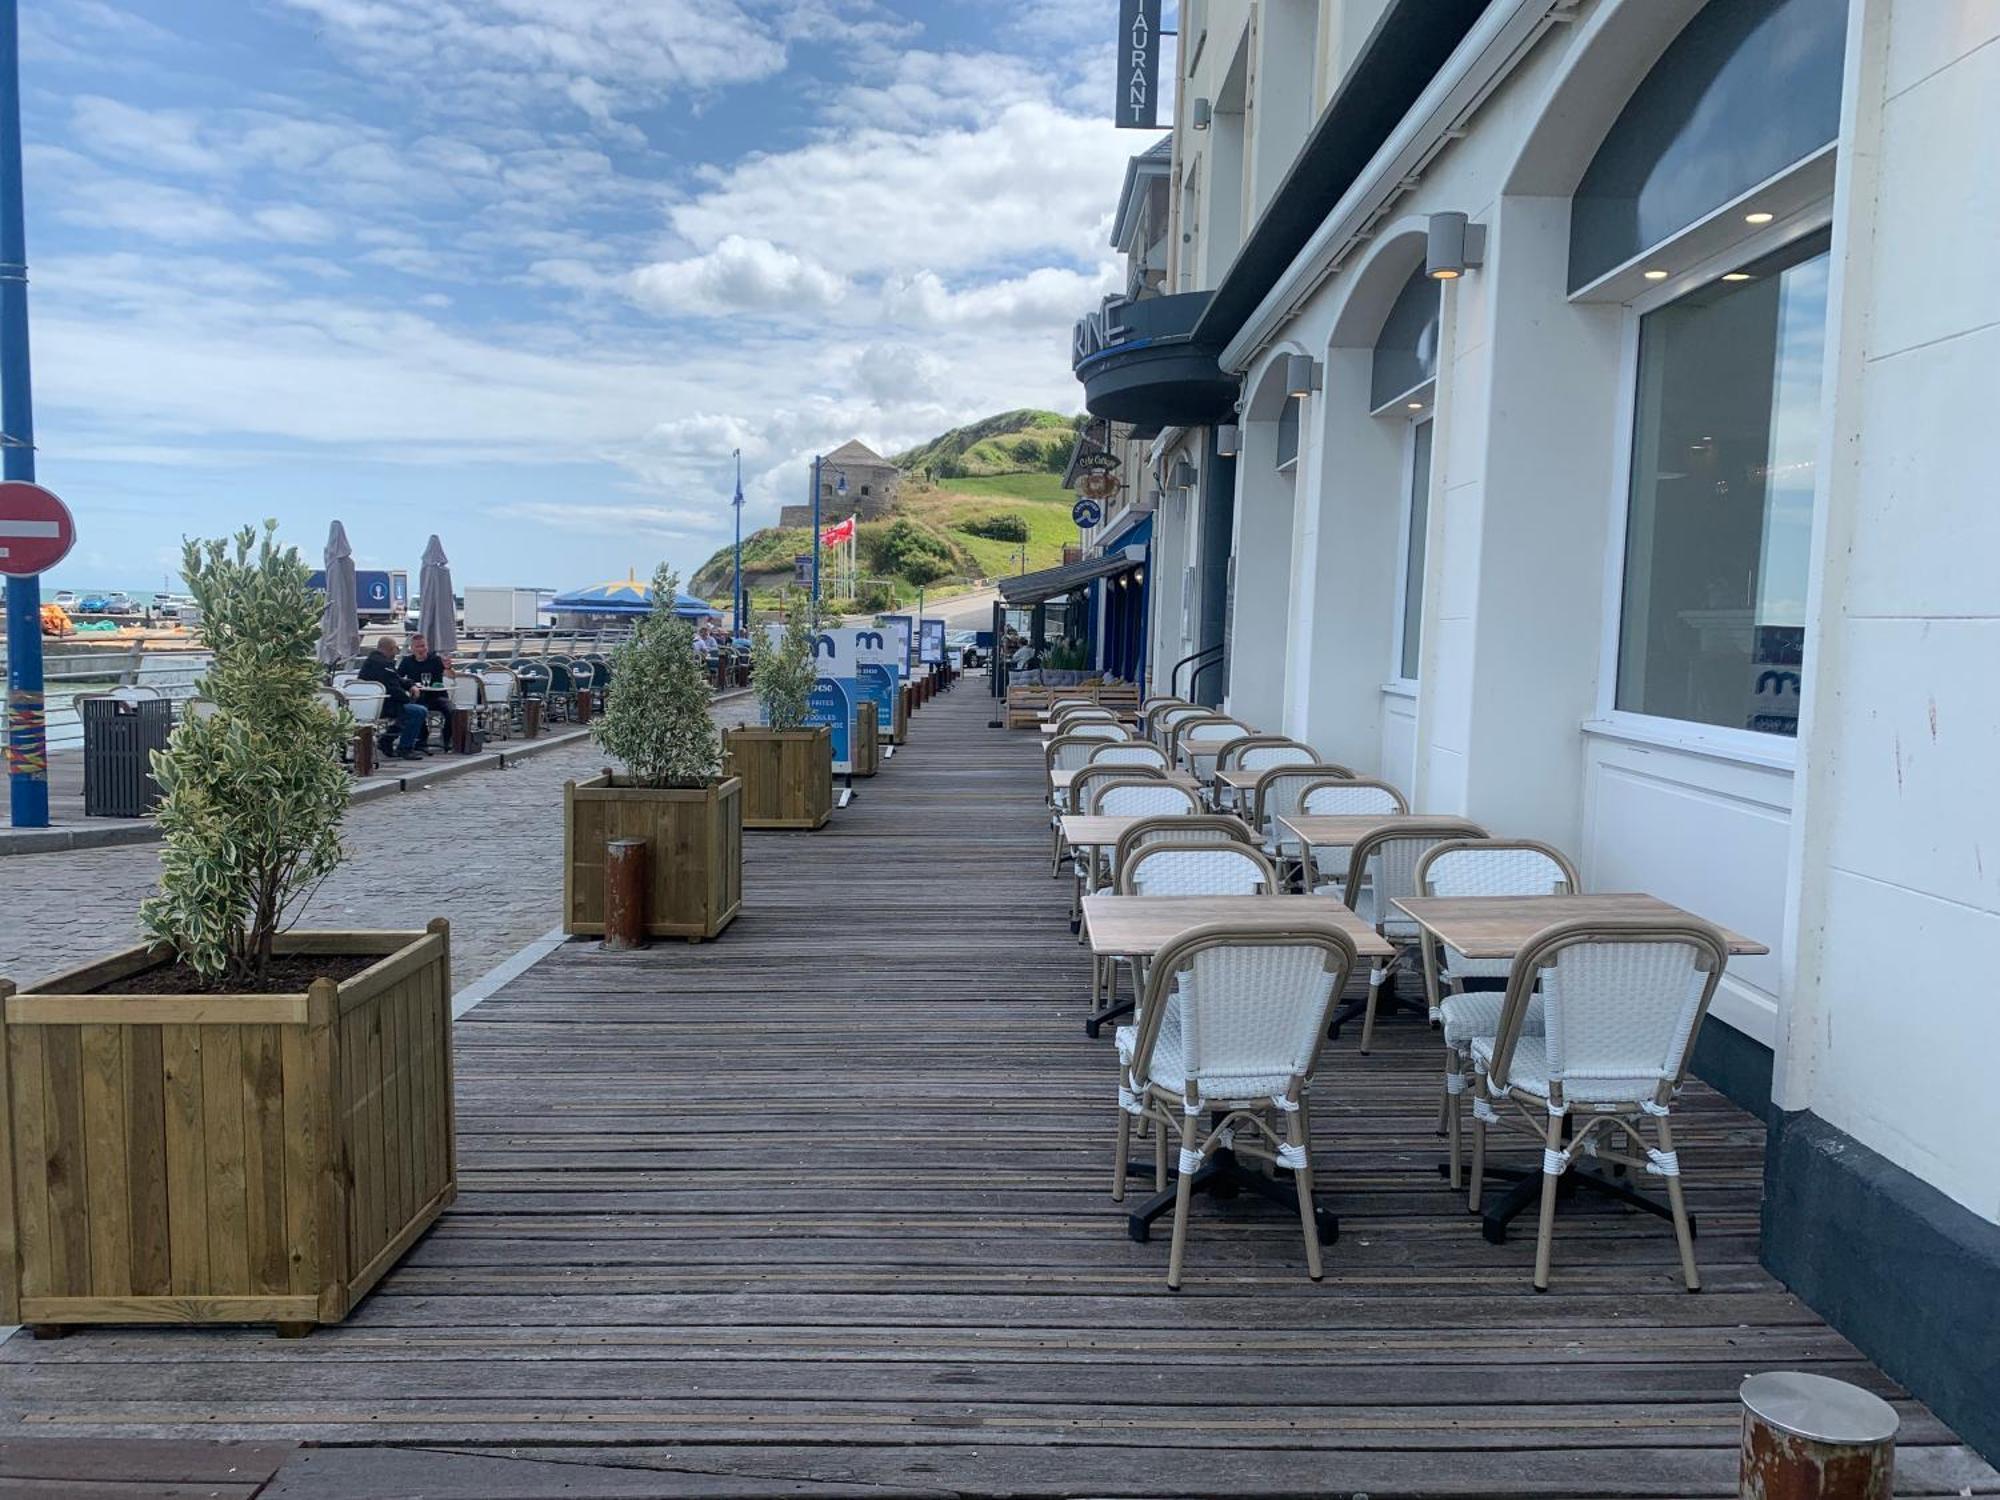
x,y
871,483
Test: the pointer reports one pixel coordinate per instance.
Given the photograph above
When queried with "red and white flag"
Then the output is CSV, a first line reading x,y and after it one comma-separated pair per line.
x,y
835,536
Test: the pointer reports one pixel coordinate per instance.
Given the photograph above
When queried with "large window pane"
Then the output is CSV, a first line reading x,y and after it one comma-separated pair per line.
x,y
1413,564
1724,446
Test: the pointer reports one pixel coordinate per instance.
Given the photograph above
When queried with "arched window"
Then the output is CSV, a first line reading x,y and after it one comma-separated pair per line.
x,y
1406,353
1402,379
1747,89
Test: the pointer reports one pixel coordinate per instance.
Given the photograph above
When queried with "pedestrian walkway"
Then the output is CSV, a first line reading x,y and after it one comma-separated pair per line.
x,y
821,1209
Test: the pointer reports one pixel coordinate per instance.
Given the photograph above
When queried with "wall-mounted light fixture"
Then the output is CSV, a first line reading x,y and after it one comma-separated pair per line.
x,y
1201,114
1228,439
1183,475
1453,246
1301,375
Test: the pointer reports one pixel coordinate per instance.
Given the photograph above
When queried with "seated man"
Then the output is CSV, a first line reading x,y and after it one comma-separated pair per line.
x,y
422,672
405,718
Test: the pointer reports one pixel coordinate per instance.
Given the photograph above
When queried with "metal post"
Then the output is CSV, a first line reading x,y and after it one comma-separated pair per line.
x,y
624,895
736,594
1809,1437
27,731
815,588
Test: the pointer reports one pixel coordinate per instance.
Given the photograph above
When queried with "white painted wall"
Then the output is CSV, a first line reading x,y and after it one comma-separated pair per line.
x,y
1889,1019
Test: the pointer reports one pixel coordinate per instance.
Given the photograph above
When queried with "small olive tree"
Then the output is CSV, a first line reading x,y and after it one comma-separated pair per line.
x,y
254,791
657,721
785,672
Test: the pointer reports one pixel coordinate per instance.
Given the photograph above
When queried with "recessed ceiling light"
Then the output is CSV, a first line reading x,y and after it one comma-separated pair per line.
x,y
1737,276
1416,406
1760,217
1656,275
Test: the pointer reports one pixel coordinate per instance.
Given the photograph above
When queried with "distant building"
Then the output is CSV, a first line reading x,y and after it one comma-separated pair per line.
x,y
871,486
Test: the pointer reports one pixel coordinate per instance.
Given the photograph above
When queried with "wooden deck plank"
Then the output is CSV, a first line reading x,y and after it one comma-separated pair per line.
x,y
822,1208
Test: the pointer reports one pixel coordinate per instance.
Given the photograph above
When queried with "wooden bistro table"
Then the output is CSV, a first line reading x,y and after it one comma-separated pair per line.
x,y
1060,781
1499,927
1137,928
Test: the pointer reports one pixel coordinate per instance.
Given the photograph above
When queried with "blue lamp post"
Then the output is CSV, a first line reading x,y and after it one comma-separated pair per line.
x,y
815,552
27,735
736,592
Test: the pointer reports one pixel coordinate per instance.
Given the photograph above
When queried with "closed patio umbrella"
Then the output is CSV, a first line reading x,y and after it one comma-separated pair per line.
x,y
437,618
339,627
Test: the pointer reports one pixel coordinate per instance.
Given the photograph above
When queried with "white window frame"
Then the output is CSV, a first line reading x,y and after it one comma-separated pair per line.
x,y
1745,746
1398,410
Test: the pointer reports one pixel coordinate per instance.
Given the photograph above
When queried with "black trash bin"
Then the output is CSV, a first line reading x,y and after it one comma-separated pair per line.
x,y
119,738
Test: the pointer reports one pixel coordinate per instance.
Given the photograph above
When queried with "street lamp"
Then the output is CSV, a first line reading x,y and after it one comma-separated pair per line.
x,y
736,594
840,488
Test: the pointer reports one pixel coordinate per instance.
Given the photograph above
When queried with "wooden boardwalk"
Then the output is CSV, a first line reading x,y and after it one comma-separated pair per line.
x,y
821,1209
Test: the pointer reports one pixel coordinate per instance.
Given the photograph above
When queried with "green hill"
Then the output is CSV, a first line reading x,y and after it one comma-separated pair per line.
x,y
980,501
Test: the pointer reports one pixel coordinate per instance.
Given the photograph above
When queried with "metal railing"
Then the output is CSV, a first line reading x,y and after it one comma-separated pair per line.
x,y
70,675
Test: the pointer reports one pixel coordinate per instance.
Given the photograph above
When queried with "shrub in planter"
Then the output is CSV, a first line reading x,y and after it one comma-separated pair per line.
x,y
282,1100
786,766
670,793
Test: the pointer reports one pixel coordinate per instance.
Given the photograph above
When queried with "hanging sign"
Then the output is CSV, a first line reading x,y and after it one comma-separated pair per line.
x,y
1138,65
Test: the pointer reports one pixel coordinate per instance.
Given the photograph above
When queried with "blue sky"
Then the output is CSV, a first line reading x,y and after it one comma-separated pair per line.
x,y
523,272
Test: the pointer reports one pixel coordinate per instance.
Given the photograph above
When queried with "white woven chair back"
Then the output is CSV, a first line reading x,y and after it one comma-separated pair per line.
x,y
1170,870
1083,787
1252,1016
1072,752
499,687
1495,869
1618,1015
1163,724
1217,740
1359,797
1280,795
1266,757
1161,800
1089,731
1068,716
1133,754
464,691
1391,861
1205,829
364,699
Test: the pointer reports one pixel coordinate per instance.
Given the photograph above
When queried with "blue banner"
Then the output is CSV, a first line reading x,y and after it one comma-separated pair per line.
x,y
876,684
832,704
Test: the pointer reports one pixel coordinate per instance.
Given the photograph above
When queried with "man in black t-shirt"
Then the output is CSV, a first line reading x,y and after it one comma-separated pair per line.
x,y
406,718
422,671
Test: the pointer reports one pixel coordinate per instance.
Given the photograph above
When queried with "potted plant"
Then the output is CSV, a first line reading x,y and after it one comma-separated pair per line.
x,y
670,793
268,1111
786,765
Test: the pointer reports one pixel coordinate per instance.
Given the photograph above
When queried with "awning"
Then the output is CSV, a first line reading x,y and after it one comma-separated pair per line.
x,y
1051,583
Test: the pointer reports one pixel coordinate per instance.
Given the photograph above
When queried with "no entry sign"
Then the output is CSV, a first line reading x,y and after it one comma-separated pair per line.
x,y
36,530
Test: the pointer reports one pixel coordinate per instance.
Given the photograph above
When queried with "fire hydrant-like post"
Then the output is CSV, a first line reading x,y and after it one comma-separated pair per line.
x,y
624,895
1806,1437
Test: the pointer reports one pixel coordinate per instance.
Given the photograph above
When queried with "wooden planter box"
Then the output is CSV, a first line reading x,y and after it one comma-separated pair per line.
x,y
865,748
224,1158
787,776
694,853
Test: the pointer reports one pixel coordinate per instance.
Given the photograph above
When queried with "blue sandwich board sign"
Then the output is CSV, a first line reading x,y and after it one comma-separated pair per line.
x,y
832,704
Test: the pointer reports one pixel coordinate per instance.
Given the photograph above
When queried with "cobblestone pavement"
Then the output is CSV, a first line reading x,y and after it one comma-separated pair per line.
x,y
484,849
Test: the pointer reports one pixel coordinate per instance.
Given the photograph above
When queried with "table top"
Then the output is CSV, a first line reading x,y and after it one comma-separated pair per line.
x,y
1061,780
1498,926
1348,829
1138,926
1084,830
1242,781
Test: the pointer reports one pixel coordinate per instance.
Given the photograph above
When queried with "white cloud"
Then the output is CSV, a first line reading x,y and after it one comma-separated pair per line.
x,y
739,274
1048,297
613,520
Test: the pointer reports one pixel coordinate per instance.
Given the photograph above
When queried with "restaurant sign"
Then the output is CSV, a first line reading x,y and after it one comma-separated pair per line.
x,y
1139,65
1101,330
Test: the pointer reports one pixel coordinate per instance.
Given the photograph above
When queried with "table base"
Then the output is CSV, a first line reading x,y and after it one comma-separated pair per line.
x,y
1223,1176
1526,1193
1386,1004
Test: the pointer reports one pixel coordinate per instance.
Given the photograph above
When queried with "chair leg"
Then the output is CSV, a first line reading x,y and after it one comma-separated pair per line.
x,y
1454,1128
1124,1146
1183,1197
1055,853
1368,1016
1476,1187
1546,1233
1677,1201
1302,1177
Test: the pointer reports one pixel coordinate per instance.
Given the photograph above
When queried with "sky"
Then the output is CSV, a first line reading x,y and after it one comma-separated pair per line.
x,y
523,273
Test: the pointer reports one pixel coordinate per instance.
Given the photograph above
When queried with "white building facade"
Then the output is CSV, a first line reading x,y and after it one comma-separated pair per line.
x,y
1645,509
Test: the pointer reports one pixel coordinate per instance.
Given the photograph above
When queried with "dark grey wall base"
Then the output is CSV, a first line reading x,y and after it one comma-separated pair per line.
x,y
1912,1277
1734,1065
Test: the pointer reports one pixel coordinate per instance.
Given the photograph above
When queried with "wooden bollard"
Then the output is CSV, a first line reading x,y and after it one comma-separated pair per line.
x,y
624,895
1806,1437
584,704
364,750
531,718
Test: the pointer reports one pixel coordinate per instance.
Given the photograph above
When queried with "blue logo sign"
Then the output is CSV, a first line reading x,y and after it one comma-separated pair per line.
x,y
1086,513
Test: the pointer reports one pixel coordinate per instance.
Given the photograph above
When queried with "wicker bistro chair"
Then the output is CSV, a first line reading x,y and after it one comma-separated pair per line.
x,y
1230,1029
1160,727
1130,753
1207,722
1083,713
1196,867
1279,793
1151,710
1203,762
502,700
1622,1003
1258,752
1380,868
560,699
1478,867
1326,864
1067,752
466,691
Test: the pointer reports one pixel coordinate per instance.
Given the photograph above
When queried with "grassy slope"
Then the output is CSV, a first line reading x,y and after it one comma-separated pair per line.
x,y
1013,441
